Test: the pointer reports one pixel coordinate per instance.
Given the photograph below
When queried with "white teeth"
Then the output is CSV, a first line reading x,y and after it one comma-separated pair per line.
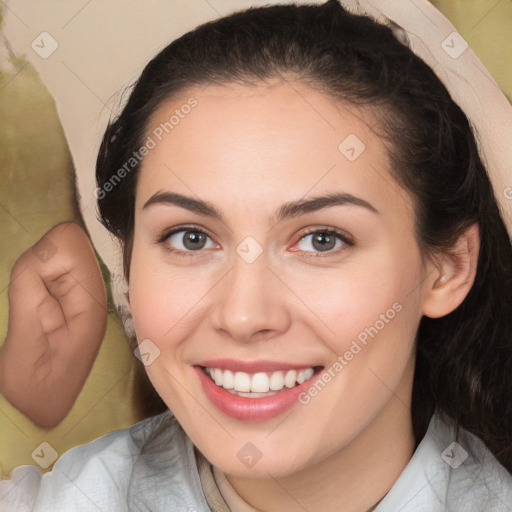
x,y
276,381
227,380
290,379
258,384
304,375
242,382
217,376
251,395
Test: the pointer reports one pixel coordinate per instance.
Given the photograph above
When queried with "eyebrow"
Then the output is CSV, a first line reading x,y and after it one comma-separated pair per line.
x,y
285,211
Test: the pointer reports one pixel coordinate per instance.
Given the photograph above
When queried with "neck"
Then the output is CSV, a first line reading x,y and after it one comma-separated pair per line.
x,y
354,479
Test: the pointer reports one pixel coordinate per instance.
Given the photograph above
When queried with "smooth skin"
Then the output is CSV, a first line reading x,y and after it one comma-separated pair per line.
x,y
57,320
248,150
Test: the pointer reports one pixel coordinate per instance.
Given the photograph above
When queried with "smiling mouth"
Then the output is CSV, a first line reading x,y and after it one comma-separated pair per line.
x,y
259,384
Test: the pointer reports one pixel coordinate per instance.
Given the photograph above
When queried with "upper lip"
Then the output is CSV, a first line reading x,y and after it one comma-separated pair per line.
x,y
253,366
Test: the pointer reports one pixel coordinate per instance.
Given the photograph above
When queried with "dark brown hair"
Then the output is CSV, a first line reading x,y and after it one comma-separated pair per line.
x,y
464,360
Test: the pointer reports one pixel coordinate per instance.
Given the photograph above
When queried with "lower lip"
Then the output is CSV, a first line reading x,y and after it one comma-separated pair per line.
x,y
251,409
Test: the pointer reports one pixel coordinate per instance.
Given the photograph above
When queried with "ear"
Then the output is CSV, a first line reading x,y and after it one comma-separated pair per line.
x,y
453,275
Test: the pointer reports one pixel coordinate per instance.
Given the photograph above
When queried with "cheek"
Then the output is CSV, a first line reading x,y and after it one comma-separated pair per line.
x,y
168,306
163,298
367,318
166,309
371,298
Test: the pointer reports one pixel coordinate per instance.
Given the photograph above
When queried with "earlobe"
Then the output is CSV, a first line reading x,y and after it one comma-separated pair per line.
x,y
453,275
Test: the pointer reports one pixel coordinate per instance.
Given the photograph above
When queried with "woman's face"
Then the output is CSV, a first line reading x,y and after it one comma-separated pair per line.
x,y
292,252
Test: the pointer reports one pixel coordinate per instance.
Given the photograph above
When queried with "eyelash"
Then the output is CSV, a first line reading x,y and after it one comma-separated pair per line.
x,y
347,241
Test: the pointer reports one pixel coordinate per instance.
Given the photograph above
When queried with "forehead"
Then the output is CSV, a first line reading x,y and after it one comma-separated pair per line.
x,y
275,140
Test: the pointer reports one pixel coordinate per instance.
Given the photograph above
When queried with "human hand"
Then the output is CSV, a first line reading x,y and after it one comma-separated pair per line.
x,y
57,320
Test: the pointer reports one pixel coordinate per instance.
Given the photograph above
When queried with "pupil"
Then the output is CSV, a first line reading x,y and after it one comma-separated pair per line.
x,y
194,240
323,242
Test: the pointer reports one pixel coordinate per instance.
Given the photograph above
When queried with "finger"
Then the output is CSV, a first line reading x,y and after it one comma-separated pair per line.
x,y
69,269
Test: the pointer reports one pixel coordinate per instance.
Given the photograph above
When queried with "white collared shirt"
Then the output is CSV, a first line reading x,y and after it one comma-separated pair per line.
x,y
151,466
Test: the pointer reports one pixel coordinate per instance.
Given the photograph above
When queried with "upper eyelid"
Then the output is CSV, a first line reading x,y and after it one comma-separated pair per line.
x,y
166,233
336,231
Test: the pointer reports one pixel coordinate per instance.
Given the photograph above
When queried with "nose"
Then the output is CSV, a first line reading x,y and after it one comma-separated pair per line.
x,y
251,302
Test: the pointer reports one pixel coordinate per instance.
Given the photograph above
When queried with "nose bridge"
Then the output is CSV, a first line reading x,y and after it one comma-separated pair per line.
x,y
250,301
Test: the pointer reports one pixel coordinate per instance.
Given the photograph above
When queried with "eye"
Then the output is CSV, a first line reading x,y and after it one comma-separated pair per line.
x,y
323,240
186,240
